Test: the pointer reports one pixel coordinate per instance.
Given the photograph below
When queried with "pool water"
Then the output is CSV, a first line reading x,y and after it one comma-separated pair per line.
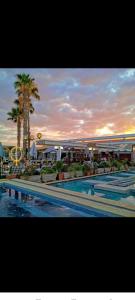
x,y
84,186
18,202
112,195
123,174
102,178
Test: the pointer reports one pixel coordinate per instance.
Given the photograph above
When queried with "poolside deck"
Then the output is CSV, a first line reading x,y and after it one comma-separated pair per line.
x,y
105,205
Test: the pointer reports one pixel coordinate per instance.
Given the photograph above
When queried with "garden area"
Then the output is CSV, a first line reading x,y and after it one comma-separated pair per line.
x,y
61,171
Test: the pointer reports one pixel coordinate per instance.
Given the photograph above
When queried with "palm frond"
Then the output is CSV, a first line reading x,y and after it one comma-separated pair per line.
x,y
16,101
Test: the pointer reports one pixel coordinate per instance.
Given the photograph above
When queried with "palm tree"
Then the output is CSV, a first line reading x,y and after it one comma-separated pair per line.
x,y
15,116
31,111
25,87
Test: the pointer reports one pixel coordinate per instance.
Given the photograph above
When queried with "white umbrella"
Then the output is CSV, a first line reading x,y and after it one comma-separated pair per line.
x,y
91,155
49,150
2,153
33,151
59,154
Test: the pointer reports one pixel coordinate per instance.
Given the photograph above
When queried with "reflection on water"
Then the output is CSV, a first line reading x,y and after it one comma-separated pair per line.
x,y
14,210
16,194
15,203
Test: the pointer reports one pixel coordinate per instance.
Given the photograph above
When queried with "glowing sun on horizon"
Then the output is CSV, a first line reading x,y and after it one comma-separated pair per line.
x,y
130,130
104,130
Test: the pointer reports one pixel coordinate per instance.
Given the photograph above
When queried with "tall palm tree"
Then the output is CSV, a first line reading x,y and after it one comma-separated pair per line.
x,y
15,116
25,87
31,111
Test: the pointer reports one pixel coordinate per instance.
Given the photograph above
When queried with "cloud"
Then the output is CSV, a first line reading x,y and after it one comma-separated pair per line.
x,y
128,74
74,102
104,130
3,75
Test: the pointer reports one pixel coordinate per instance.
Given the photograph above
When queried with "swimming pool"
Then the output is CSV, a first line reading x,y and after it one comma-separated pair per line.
x,y
123,174
84,186
19,202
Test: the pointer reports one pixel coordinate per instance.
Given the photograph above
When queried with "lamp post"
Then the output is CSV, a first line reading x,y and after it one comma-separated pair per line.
x,y
69,156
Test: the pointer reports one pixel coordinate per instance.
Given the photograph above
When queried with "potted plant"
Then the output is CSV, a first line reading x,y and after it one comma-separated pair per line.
x,y
50,174
71,171
59,169
86,170
79,170
11,175
65,171
95,166
43,171
119,165
113,164
76,169
125,164
103,165
108,166
2,176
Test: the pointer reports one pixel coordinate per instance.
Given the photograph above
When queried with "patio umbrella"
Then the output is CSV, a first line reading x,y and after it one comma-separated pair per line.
x,y
2,153
90,155
49,150
33,151
59,154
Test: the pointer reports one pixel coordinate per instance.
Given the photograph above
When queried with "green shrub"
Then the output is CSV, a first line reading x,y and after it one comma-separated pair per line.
x,y
77,166
116,163
72,170
95,165
65,168
86,168
30,170
103,164
47,170
108,164
124,162
10,170
119,165
59,166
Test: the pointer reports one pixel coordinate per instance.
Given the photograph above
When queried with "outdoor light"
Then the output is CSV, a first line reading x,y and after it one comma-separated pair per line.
x,y
16,154
39,135
58,147
90,148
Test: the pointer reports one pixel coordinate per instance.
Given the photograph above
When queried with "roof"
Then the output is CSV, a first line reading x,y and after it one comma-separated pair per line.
x,y
110,142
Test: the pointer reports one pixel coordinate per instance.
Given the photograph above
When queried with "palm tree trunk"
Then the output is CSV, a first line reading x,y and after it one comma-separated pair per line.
x,y
25,126
28,131
18,131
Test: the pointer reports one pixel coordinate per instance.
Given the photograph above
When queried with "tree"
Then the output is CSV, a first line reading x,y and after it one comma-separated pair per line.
x,y
15,116
31,111
26,87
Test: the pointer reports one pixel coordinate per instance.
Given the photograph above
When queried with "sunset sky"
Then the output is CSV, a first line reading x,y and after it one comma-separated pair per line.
x,y
74,103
